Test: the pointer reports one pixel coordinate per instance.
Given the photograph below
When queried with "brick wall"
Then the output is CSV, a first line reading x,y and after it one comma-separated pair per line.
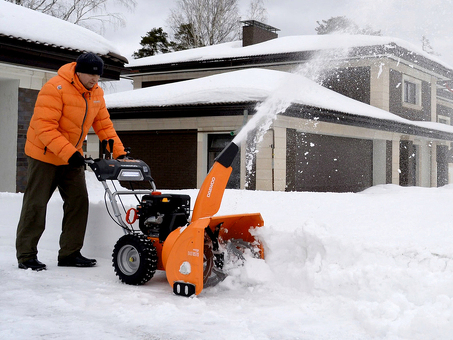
x,y
396,101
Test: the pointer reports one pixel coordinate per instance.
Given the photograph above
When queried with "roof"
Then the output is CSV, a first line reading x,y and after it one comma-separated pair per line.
x,y
32,38
342,43
281,90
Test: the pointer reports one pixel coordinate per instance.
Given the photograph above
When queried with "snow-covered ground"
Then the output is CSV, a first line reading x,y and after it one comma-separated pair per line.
x,y
370,265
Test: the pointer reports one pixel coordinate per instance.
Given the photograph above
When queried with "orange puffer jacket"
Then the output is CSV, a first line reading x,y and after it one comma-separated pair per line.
x,y
64,112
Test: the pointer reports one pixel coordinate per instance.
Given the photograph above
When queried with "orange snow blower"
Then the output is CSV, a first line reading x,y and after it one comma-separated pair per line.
x,y
192,251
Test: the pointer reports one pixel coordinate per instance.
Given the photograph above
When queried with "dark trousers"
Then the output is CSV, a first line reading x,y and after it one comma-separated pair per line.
x,y
43,179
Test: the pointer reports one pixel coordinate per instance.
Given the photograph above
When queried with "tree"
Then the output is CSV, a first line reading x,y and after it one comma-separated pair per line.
x,y
209,22
154,42
257,11
91,14
426,46
184,38
197,23
342,24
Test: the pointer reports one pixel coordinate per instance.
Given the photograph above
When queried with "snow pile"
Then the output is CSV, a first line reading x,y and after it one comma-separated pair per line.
x,y
370,265
278,88
27,24
289,44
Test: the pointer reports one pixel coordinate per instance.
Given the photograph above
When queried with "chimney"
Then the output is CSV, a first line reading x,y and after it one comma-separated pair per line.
x,y
254,32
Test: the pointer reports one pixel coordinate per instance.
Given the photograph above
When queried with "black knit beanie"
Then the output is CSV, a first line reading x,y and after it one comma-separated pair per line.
x,y
89,63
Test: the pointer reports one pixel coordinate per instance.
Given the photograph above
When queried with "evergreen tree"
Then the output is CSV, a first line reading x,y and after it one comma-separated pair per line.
x,y
184,38
154,42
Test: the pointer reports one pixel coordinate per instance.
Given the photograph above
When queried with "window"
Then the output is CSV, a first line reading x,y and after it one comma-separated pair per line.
x,y
411,92
443,119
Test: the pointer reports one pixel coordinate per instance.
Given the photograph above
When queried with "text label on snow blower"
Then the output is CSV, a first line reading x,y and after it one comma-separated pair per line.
x,y
210,187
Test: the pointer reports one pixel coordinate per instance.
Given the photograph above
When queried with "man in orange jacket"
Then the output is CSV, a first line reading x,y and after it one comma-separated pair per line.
x,y
67,106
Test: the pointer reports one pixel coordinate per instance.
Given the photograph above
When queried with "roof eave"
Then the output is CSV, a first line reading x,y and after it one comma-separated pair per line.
x,y
294,57
337,117
295,110
50,57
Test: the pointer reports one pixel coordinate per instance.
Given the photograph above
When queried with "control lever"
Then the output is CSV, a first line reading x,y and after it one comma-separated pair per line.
x,y
104,148
111,141
128,151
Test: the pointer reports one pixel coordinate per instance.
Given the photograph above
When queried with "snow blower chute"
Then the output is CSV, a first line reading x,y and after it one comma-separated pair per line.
x,y
192,251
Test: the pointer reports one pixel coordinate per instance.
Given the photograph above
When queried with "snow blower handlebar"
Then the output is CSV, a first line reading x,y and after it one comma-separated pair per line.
x,y
129,170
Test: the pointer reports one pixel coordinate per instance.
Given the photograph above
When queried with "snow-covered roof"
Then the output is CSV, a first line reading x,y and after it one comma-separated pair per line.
x,y
281,45
23,23
255,85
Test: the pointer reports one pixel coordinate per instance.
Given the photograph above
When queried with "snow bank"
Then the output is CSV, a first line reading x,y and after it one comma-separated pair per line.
x,y
27,24
370,265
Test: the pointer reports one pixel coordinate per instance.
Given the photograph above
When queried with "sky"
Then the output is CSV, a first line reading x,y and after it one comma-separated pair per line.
x,y
408,20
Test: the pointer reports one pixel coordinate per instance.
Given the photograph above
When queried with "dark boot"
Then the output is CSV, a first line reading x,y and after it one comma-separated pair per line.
x,y
33,264
76,260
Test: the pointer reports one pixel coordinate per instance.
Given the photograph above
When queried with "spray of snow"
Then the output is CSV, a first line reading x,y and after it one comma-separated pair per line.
x,y
318,68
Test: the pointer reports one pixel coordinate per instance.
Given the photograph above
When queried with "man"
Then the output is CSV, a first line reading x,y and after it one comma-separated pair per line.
x,y
67,106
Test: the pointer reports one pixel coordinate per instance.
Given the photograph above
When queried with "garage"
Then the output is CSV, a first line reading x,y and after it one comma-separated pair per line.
x,y
171,155
323,163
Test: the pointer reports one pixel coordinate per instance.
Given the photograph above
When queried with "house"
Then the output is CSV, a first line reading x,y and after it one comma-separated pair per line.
x,y
310,145
32,48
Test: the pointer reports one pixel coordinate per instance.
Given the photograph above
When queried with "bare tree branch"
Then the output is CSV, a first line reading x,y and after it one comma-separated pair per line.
x,y
257,11
92,14
210,21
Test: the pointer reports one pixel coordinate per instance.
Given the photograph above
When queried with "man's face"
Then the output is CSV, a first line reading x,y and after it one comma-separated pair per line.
x,y
88,80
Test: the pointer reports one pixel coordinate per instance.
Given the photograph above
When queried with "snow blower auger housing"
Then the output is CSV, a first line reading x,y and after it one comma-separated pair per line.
x,y
192,251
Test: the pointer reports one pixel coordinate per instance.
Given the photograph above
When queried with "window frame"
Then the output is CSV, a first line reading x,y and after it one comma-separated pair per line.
x,y
416,103
443,119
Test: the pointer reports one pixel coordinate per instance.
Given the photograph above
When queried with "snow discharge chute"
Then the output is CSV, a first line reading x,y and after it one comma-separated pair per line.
x,y
195,256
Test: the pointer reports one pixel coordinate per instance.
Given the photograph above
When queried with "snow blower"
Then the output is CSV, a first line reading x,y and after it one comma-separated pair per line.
x,y
192,250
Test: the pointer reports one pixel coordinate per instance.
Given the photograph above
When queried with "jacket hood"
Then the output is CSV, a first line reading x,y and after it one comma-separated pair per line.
x,y
67,71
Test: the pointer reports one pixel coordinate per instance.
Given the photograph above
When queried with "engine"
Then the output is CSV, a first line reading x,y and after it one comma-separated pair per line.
x,y
160,214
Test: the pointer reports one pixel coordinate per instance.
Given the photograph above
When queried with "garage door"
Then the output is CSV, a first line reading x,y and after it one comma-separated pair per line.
x,y
327,163
171,155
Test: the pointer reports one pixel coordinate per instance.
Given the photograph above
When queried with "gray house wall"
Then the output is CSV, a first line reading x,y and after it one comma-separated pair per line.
x,y
8,133
27,99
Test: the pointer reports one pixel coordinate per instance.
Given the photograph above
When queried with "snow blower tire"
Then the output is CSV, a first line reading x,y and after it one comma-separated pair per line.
x,y
134,259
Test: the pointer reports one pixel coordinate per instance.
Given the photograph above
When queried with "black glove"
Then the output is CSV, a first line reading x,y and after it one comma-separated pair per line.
x,y
76,160
127,155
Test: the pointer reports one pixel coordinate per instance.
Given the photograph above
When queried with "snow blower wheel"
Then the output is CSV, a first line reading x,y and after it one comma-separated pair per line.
x,y
134,259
